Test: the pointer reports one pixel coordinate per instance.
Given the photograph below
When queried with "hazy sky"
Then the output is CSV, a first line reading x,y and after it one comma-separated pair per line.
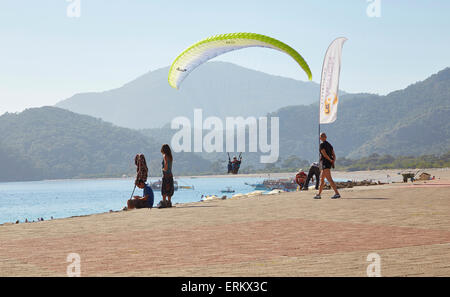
x,y
45,56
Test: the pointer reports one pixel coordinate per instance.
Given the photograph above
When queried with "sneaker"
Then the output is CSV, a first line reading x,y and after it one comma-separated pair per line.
x,y
337,196
317,197
169,204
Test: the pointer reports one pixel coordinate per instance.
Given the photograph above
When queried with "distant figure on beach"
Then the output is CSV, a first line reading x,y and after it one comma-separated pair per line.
x,y
167,186
327,159
313,174
147,199
300,178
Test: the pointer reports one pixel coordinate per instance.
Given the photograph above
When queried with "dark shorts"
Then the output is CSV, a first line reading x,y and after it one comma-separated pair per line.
x,y
138,203
326,164
167,187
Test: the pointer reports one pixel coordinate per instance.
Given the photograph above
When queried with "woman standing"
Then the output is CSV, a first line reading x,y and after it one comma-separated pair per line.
x,y
167,187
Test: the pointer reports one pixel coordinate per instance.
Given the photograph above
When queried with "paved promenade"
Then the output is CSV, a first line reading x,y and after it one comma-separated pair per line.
x,y
283,235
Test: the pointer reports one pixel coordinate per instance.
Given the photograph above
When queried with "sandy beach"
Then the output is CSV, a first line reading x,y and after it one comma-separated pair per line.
x,y
289,234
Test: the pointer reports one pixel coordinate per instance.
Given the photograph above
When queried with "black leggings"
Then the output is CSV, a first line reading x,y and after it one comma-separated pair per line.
x,y
313,171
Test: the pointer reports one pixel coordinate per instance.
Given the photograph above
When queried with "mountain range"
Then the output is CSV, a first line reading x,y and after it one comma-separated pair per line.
x,y
220,89
51,142
410,122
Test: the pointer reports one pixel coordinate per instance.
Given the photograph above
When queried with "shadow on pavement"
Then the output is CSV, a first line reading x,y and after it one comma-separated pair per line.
x,y
366,198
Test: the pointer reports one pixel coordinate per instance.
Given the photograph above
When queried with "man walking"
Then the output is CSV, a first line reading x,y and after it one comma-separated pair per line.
x,y
327,159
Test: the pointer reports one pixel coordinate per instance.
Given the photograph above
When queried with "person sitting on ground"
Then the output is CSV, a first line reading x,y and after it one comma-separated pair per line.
x,y
313,174
146,201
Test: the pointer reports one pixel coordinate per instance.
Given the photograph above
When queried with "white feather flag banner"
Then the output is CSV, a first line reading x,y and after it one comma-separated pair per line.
x,y
329,84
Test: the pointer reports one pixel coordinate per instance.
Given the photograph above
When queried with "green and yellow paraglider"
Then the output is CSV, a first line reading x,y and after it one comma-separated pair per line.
x,y
214,46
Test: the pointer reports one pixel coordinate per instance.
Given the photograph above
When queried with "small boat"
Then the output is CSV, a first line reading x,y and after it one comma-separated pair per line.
x,y
228,190
257,186
156,186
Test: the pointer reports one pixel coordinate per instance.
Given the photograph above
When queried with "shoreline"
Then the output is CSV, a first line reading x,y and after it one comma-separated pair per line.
x,y
375,175
249,175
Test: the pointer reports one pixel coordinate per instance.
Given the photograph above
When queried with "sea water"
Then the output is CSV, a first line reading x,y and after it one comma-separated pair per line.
x,y
67,198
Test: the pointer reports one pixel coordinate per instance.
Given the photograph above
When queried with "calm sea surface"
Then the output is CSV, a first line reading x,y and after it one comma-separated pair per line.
x,y
66,198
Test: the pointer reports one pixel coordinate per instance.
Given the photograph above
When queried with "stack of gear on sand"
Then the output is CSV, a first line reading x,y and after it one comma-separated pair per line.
x,y
141,170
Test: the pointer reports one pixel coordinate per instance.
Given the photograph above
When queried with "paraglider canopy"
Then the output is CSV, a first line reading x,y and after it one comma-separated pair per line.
x,y
214,46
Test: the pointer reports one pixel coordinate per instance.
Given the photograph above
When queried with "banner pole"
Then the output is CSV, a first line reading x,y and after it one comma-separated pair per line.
x,y
319,140
331,79
320,104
